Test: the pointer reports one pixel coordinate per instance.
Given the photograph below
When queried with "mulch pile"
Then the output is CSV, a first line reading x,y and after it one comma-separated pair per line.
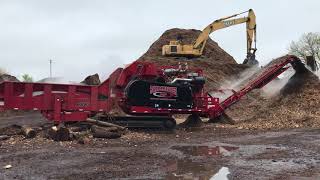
x,y
296,105
7,77
92,80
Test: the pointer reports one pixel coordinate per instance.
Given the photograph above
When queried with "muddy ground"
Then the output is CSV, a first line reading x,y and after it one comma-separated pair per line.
x,y
198,153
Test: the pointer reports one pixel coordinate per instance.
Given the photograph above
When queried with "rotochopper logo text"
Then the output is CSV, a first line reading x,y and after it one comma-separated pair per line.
x,y
163,91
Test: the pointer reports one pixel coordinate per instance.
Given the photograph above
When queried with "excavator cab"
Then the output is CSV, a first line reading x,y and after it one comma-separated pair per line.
x,y
173,47
176,49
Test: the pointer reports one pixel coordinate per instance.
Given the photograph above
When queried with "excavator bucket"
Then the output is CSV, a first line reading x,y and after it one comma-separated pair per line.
x,y
251,60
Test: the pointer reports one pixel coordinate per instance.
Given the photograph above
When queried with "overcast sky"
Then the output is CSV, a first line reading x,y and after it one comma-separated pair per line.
x,y
88,36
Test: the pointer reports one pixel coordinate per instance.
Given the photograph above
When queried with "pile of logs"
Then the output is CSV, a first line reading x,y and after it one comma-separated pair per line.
x,y
89,128
26,131
59,133
107,130
76,131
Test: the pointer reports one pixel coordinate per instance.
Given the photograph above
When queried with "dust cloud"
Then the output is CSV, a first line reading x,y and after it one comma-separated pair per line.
x,y
236,83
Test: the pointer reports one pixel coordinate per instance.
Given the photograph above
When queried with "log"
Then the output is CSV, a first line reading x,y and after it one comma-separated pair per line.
x,y
83,140
109,129
59,134
76,129
79,135
102,123
11,130
28,132
4,137
108,133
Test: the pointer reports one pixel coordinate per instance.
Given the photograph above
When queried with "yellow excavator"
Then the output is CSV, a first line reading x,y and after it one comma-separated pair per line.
x,y
176,48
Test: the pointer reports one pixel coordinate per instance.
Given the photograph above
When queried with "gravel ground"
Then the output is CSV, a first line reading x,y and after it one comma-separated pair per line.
x,y
198,153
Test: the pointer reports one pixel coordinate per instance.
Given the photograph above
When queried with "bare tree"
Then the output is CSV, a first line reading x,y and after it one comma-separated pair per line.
x,y
307,45
27,78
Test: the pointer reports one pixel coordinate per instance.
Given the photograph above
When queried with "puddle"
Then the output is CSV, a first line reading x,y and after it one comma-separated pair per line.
x,y
206,150
188,169
222,174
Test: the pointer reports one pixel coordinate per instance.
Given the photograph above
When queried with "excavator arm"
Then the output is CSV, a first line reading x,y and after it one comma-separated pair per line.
x,y
216,25
227,22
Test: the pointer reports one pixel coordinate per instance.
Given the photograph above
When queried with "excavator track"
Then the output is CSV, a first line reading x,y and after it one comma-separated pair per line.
x,y
163,122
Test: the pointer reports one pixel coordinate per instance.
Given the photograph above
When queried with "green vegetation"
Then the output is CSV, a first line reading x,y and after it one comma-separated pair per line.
x,y
27,78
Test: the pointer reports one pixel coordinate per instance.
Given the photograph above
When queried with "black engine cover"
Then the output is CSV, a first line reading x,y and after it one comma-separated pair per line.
x,y
158,95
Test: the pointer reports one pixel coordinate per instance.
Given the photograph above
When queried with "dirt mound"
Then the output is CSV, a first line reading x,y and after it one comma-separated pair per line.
x,y
212,51
92,80
297,104
217,64
7,77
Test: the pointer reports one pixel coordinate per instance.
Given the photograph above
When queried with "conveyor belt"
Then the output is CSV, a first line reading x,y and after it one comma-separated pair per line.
x,y
261,80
